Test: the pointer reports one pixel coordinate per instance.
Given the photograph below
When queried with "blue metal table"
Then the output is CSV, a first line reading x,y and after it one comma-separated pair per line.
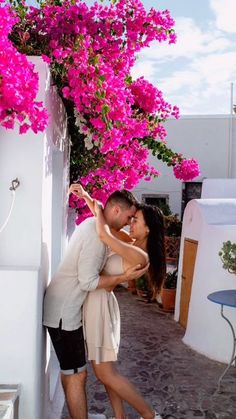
x,y
226,298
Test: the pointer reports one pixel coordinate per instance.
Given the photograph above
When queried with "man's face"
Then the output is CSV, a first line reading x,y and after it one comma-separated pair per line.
x,y
121,217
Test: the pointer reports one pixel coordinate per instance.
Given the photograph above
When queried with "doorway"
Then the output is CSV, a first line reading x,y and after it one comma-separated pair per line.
x,y
189,258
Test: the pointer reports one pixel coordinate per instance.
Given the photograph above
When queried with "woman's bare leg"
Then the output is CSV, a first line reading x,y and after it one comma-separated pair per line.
x,y
116,402
107,373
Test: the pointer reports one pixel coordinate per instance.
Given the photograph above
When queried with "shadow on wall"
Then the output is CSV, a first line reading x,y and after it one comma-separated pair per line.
x,y
57,130
44,271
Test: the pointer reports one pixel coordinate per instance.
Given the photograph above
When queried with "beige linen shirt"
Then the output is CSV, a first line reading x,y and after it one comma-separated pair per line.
x,y
78,273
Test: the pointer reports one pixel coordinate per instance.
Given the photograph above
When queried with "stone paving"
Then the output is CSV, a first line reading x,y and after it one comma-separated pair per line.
x,y
177,381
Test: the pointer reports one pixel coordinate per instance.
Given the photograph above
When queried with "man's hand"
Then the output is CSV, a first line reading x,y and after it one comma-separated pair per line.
x,y
135,272
109,289
77,190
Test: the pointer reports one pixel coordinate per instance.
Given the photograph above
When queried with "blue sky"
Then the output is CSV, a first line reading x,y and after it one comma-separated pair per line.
x,y
197,72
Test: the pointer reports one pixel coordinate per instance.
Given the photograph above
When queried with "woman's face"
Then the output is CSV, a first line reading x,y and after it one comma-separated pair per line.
x,y
138,227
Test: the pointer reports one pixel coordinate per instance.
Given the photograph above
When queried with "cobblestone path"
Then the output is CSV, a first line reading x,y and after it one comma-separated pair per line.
x,y
177,381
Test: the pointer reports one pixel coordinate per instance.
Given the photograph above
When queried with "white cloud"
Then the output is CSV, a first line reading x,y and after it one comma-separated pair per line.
x,y
216,68
144,68
191,41
200,99
196,73
179,81
225,11
204,86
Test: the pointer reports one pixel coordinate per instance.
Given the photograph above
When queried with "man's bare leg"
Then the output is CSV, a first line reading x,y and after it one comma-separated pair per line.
x,y
75,394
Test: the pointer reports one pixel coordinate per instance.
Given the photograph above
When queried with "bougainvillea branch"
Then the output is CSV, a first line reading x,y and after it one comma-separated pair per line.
x,y
113,120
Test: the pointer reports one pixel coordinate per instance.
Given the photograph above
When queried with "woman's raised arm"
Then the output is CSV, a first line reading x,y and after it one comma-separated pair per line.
x,y
131,254
79,191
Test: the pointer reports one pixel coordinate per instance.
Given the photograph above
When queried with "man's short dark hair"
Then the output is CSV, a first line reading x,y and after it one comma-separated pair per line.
x,y
123,198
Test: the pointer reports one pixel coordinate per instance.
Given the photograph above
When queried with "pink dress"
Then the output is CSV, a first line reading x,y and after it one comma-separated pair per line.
x,y
101,318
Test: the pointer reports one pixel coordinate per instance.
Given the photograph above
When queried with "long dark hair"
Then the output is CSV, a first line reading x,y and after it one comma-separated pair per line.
x,y
154,220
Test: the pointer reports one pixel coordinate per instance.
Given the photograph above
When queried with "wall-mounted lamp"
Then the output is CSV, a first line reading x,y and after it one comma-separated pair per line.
x,y
14,184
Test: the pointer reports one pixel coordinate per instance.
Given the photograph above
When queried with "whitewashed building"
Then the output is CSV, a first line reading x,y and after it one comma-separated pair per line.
x,y
33,240
211,140
31,244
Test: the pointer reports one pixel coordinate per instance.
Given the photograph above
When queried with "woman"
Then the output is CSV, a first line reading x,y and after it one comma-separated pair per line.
x,y
101,311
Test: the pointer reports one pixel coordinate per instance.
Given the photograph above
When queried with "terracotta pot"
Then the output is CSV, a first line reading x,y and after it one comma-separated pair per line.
x,y
168,298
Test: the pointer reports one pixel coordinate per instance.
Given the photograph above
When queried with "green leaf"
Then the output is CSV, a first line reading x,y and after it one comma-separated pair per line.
x,y
128,80
105,109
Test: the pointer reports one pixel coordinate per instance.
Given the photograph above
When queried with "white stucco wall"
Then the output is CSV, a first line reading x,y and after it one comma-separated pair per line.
x,y
31,246
22,353
210,222
210,139
219,188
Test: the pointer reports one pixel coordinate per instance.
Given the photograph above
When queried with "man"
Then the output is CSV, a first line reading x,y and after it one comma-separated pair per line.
x,y
79,273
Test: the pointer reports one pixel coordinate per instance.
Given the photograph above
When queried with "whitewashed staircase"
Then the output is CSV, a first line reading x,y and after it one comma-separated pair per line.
x,y
9,401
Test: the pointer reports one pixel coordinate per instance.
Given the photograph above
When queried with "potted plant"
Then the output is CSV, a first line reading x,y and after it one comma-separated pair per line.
x,y
173,227
168,291
228,256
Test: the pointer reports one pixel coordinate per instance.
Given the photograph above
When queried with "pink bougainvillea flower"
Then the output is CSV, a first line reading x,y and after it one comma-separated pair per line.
x,y
18,82
91,51
46,59
187,169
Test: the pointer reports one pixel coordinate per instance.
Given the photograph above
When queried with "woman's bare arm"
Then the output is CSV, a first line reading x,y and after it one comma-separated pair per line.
x,y
131,254
79,191
122,235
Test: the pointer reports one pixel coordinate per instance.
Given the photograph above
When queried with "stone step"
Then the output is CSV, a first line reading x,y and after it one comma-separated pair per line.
x,y
6,412
96,416
9,401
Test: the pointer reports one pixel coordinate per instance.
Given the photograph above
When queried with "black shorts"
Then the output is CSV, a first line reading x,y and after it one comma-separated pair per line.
x,y
69,348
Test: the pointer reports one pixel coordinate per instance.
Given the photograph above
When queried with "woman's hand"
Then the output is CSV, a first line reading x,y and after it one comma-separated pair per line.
x,y
78,190
135,272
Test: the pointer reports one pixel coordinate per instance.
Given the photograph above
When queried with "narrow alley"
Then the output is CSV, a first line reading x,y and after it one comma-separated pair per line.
x,y
177,381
